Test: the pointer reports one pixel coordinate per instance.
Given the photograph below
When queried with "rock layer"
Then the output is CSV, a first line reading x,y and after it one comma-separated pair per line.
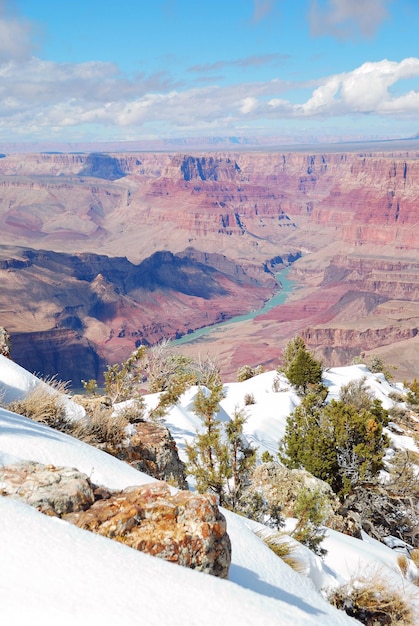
x,y
351,216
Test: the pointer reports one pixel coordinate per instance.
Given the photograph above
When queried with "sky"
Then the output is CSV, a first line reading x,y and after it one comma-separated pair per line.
x,y
98,70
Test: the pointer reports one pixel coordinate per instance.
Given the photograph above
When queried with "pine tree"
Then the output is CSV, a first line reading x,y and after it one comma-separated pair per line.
x,y
338,443
219,458
208,454
242,457
122,380
300,366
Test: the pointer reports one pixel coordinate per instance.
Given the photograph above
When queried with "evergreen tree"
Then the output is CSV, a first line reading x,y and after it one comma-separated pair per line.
x,y
338,443
220,459
242,457
300,366
290,352
122,381
208,454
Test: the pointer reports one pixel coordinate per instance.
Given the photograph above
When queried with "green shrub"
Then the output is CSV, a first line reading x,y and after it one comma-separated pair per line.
x,y
337,442
122,381
247,371
266,457
310,511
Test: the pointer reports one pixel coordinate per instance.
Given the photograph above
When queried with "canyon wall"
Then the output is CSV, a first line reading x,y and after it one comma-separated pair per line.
x,y
220,224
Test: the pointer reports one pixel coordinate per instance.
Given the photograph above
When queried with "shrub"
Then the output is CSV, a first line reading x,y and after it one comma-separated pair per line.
x,y
247,371
371,600
219,458
169,372
134,411
122,380
249,399
5,343
414,555
310,511
283,547
338,443
276,384
45,404
403,563
266,457
376,365
103,430
90,386
244,373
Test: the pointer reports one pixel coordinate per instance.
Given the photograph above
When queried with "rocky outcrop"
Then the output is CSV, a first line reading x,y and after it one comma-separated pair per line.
x,y
280,487
184,528
5,344
102,166
52,490
153,450
61,351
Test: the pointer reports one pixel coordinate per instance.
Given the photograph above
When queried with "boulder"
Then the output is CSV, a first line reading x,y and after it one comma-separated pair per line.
x,y
280,486
184,528
153,450
52,490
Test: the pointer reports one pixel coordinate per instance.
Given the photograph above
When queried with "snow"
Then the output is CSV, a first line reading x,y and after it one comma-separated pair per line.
x,y
55,572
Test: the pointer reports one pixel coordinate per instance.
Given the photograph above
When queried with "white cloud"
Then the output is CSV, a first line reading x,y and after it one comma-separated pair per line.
x,y
344,18
39,98
364,90
15,34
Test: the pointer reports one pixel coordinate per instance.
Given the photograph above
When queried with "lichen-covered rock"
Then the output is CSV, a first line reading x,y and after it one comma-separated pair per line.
x,y
153,450
52,490
5,344
184,528
280,487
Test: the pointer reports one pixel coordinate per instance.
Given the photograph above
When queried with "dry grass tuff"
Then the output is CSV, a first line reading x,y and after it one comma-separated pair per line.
x,y
283,547
373,601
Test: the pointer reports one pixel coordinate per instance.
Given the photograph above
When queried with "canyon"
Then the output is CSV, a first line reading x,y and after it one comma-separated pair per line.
x,y
102,252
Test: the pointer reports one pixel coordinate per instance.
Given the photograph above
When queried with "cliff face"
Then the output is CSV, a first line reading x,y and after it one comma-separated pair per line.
x,y
199,232
255,198
89,310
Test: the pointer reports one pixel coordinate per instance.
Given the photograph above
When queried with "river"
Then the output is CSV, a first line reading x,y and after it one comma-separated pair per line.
x,y
288,286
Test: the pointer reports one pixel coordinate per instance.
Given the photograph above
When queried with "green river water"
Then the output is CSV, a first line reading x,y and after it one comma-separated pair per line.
x,y
279,298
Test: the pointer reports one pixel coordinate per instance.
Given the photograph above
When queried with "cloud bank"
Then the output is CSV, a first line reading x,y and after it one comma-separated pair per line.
x,y
36,96
45,100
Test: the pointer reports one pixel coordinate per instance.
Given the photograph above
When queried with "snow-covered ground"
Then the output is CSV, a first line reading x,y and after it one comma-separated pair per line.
x,y
57,573
267,416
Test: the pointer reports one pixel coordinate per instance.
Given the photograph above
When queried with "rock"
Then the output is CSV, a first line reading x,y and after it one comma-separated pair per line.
x,y
52,490
153,450
355,213
183,528
280,487
5,344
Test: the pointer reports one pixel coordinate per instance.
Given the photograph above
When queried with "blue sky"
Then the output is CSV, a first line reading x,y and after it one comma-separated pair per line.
x,y
100,70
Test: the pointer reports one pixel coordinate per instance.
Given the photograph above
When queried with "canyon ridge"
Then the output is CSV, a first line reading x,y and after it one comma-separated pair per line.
x,y
100,253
